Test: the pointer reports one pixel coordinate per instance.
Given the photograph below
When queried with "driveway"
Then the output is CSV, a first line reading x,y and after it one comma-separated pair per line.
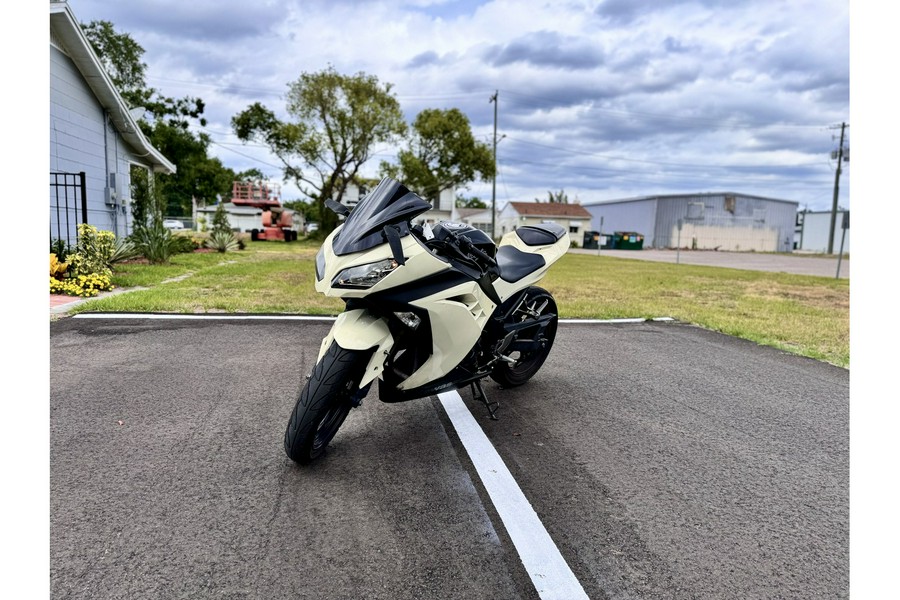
x,y
798,264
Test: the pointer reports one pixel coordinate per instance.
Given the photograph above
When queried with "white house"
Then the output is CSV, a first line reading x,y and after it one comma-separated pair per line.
x,y
95,141
573,217
479,218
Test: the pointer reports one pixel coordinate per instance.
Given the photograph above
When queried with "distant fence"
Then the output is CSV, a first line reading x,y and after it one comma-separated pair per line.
x,y
68,206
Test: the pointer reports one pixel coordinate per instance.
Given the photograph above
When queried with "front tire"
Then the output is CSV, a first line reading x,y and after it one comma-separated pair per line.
x,y
324,403
538,302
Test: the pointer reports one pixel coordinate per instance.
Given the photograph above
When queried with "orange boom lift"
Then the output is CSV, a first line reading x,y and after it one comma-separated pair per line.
x,y
277,221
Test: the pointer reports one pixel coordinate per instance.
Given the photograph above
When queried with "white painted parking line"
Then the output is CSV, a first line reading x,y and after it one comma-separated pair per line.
x,y
305,317
203,317
549,572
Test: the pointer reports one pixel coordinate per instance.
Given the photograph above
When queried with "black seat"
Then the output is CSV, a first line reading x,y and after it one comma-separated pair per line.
x,y
542,234
515,264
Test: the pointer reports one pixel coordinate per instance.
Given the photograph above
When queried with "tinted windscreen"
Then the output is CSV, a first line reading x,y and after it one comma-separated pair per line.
x,y
390,202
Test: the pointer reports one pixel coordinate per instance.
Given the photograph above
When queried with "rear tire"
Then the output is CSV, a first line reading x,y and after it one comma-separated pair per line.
x,y
528,363
323,403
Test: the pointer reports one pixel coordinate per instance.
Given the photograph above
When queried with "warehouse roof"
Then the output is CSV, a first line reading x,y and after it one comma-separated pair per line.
x,y
688,195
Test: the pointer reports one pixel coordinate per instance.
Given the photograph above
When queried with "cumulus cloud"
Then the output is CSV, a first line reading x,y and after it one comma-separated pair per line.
x,y
600,98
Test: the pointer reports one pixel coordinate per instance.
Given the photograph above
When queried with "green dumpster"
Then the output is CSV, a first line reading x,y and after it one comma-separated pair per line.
x,y
627,240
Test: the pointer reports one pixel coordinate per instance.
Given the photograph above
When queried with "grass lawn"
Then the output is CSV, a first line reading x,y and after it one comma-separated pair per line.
x,y
801,314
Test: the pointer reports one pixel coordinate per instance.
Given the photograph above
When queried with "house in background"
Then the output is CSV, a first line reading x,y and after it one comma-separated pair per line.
x,y
479,218
703,221
94,140
573,217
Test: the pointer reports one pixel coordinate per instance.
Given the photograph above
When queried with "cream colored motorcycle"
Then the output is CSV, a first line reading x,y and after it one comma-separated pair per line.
x,y
428,309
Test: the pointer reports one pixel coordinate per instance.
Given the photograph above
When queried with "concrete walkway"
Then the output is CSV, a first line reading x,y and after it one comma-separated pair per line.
x,y
60,304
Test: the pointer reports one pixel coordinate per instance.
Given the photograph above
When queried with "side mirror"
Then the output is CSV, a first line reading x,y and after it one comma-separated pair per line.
x,y
337,207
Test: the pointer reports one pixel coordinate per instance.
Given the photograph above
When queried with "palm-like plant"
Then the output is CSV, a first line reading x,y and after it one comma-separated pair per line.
x,y
223,241
123,250
155,242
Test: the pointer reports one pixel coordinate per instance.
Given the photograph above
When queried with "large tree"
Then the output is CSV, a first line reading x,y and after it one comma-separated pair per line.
x,y
336,122
198,176
442,154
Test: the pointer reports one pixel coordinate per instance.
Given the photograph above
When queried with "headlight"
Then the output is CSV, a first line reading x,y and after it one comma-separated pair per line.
x,y
365,276
320,264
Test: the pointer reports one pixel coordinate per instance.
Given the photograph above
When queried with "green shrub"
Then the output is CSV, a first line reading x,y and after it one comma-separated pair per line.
x,y
220,222
123,250
155,242
93,251
61,249
223,241
182,243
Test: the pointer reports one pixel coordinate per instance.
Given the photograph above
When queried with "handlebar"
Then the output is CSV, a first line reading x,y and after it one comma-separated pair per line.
x,y
467,245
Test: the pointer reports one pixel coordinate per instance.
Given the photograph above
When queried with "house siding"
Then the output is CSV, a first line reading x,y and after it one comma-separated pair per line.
x,y
80,141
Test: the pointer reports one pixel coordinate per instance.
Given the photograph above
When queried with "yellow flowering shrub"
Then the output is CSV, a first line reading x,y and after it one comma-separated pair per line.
x,y
83,286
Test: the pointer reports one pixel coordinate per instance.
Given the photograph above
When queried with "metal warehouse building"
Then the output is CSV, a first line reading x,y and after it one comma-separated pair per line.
x,y
720,221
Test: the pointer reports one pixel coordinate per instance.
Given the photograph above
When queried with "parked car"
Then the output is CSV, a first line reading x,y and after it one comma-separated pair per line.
x,y
173,224
311,227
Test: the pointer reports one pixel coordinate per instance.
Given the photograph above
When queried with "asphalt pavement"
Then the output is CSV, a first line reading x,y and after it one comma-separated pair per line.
x,y
795,263
664,461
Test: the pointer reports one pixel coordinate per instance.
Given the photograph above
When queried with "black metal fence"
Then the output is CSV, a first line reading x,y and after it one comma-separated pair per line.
x,y
68,206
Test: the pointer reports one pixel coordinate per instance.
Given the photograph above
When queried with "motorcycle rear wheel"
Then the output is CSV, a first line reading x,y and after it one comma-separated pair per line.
x,y
323,404
539,301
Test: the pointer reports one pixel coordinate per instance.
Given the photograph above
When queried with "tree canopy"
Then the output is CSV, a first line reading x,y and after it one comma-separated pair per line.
x,y
336,122
559,197
441,154
473,202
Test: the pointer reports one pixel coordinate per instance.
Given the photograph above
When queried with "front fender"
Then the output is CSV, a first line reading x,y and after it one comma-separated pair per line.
x,y
359,329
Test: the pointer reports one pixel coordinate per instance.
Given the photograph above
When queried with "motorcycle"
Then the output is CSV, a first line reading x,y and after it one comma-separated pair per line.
x,y
427,309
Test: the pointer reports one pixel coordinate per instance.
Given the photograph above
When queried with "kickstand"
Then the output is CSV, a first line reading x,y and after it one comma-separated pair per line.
x,y
478,394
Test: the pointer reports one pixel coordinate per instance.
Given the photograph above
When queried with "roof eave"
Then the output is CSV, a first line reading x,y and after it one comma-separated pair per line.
x,y
79,50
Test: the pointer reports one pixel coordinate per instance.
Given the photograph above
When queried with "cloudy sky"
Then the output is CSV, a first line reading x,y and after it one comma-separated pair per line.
x,y
601,98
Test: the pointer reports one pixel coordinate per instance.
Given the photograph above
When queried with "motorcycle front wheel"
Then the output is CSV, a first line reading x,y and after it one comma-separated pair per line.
x,y
324,403
538,302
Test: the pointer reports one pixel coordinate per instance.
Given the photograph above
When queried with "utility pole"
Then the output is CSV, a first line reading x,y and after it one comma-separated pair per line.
x,y
837,177
494,179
